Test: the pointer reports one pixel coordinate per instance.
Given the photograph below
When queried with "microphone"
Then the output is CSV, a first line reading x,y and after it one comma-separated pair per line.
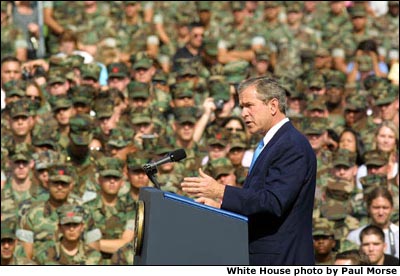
x,y
174,156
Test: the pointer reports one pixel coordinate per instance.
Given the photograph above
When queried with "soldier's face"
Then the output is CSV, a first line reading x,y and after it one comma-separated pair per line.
x,y
373,246
348,141
21,125
110,185
389,111
59,190
72,231
346,173
10,71
7,248
21,169
386,139
380,211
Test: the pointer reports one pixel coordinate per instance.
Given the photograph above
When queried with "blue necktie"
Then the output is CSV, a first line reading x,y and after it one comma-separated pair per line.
x,y
257,153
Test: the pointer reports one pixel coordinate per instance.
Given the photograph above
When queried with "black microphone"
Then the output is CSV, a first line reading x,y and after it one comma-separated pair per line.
x,y
174,156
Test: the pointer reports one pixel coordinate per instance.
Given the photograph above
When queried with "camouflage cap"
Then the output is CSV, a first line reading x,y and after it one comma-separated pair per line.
x,y
141,116
56,77
315,126
109,166
8,227
117,70
334,210
70,214
103,107
136,160
219,90
387,96
20,152
139,90
318,103
376,158
372,181
339,189
272,4
336,79
61,172
80,129
295,6
238,140
317,80
15,88
182,90
45,136
322,52
218,137
160,76
83,94
322,227
236,71
358,11
163,147
355,102
364,63
60,102
22,107
185,114
210,46
221,166
186,70
90,70
262,55
237,5
144,62
45,159
393,3
203,5
75,61
343,157
120,137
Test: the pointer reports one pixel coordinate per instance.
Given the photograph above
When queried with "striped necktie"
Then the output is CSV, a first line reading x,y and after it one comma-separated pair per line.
x,y
257,153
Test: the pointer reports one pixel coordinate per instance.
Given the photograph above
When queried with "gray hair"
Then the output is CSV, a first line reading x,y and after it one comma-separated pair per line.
x,y
267,89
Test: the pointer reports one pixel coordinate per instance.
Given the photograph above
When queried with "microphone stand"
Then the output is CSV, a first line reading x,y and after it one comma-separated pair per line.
x,y
151,171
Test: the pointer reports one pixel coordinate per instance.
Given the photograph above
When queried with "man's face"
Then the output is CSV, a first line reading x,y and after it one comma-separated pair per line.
x,y
334,94
58,88
119,83
217,151
72,231
255,112
389,111
323,244
185,131
138,178
344,172
110,185
144,74
374,247
21,169
353,116
21,125
380,211
10,71
317,141
63,115
196,37
7,248
236,156
59,190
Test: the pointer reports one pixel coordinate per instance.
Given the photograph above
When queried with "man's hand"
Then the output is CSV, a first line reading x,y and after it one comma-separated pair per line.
x,y
203,186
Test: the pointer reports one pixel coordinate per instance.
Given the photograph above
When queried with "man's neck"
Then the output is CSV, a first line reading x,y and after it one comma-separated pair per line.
x,y
21,185
69,247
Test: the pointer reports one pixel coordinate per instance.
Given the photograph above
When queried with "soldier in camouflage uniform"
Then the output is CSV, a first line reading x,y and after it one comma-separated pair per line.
x,y
69,249
137,177
124,255
324,242
162,97
387,102
9,244
82,98
237,151
39,224
113,215
118,77
80,157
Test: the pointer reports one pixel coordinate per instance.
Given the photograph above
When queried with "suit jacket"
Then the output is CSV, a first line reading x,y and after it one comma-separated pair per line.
x,y
278,197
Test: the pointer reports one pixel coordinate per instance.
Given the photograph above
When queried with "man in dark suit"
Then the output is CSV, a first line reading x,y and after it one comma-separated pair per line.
x,y
278,193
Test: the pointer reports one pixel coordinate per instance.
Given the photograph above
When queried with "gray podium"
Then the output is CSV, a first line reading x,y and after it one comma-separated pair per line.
x,y
175,230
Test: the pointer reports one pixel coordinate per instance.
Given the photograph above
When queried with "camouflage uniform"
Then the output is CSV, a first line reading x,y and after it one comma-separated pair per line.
x,y
12,38
39,224
124,255
322,228
8,229
112,220
52,251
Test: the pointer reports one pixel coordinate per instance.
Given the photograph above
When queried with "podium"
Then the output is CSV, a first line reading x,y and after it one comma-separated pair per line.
x,y
174,230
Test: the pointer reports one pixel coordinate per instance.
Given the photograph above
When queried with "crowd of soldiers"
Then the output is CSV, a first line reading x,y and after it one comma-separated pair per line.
x,y
122,83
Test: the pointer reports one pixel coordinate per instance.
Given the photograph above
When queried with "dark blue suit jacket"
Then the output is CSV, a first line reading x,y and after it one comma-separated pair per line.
x,y
278,198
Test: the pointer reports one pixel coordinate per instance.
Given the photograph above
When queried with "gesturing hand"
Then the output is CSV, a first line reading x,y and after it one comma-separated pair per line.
x,y
203,186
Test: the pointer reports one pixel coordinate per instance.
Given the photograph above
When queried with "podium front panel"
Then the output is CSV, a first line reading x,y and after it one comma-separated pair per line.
x,y
179,231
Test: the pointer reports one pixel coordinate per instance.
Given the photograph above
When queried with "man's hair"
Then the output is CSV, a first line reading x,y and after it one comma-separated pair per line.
x,y
9,59
379,192
195,24
356,257
372,230
267,88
